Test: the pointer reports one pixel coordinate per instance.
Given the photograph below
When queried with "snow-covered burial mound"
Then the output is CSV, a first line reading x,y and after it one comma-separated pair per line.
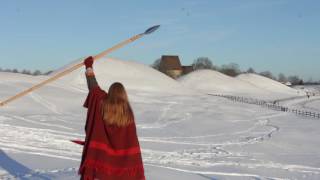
x,y
135,76
71,89
267,84
215,82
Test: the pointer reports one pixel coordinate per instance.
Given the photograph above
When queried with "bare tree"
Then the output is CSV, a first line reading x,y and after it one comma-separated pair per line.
x,y
36,73
203,63
282,78
251,70
26,72
156,64
267,74
301,82
7,70
295,80
231,69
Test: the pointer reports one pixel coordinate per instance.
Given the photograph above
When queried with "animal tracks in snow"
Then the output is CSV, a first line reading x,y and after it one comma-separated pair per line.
x,y
167,117
261,130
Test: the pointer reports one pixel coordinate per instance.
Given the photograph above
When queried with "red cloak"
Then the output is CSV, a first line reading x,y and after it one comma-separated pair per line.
x,y
109,152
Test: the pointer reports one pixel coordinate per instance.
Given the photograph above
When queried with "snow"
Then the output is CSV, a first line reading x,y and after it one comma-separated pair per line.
x,y
248,85
216,82
311,104
302,102
268,84
183,132
310,89
135,76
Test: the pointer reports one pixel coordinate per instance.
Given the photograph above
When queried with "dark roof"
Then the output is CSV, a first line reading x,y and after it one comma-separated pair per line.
x,y
170,63
187,67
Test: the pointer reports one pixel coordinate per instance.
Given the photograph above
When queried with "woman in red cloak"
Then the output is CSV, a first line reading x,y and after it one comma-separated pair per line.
x,y
111,149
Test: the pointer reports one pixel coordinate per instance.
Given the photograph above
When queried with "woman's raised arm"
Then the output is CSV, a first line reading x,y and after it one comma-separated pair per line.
x,y
91,79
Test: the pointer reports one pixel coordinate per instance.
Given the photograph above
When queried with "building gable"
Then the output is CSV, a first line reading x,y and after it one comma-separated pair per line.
x,y
170,63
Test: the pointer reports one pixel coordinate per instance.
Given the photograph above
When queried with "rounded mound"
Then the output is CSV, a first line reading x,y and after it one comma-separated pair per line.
x,y
249,85
267,84
133,75
216,82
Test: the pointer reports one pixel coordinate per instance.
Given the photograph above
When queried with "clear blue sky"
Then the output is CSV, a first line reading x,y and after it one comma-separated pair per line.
x,y
276,35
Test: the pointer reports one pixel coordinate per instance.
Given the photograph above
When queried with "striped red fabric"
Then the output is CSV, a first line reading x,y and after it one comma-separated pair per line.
x,y
119,152
109,169
109,152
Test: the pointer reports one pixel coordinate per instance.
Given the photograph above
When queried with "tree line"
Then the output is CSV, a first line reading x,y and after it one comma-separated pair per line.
x,y
233,70
24,71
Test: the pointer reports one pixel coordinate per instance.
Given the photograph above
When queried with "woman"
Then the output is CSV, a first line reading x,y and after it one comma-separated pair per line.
x,y
111,149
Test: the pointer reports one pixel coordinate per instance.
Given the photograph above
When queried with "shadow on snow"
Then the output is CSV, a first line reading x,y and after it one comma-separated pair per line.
x,y
17,169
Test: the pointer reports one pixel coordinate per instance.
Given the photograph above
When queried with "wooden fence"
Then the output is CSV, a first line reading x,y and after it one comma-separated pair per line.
x,y
269,104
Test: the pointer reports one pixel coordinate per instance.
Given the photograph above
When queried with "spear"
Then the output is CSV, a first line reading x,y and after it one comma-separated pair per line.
x,y
77,66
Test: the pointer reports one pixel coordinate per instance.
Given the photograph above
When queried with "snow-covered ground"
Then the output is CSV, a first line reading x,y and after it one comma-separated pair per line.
x,y
310,89
303,102
184,133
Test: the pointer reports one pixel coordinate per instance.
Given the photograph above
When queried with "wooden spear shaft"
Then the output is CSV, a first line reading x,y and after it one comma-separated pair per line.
x,y
77,66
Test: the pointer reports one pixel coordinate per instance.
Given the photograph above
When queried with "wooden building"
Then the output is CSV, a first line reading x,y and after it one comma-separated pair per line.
x,y
171,66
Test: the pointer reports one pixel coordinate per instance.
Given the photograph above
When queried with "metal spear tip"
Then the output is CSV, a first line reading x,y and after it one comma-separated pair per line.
x,y
152,29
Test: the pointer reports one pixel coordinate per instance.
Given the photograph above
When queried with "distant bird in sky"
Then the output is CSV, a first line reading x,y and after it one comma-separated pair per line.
x,y
185,11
